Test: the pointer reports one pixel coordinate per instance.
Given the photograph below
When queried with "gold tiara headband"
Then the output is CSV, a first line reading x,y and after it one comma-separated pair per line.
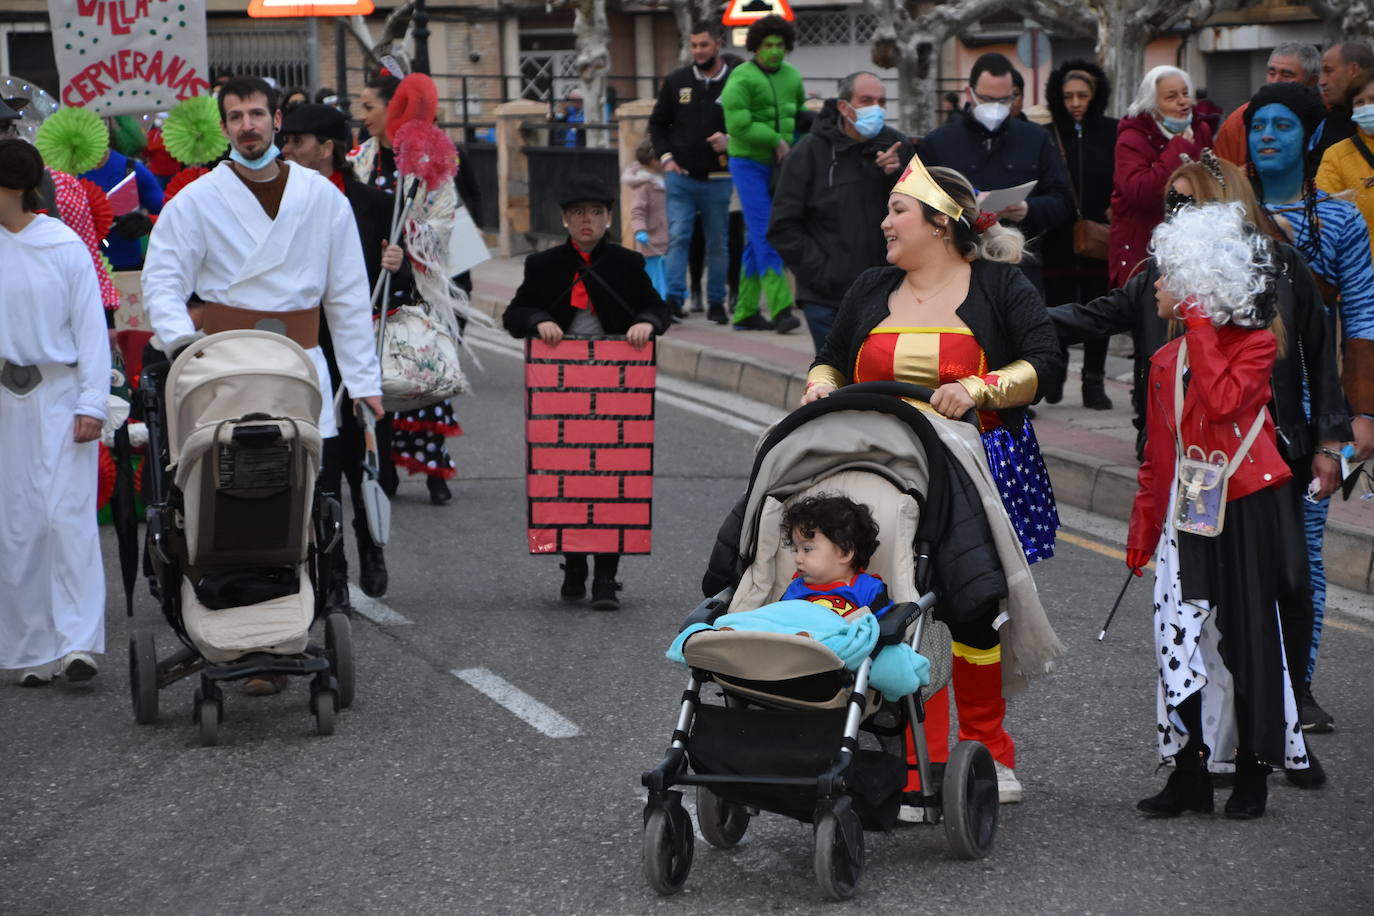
x,y
916,182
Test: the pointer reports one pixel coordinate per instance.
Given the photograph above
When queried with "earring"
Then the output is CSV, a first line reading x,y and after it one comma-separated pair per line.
x,y
936,233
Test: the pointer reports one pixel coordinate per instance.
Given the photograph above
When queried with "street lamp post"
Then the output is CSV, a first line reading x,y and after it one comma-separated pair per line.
x,y
420,64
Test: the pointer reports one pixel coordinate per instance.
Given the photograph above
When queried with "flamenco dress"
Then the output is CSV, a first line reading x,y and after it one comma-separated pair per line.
x,y
934,356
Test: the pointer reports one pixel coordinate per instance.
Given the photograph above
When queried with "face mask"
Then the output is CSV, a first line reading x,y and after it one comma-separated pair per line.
x,y
1363,116
1176,125
869,120
991,114
261,162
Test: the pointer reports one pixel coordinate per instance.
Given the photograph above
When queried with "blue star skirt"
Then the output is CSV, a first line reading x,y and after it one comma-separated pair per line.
x,y
1024,484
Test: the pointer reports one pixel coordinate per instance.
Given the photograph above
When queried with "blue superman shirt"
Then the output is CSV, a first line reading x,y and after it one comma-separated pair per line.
x,y
844,598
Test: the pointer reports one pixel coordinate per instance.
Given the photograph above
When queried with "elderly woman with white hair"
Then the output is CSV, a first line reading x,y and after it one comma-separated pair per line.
x,y
1159,130
1207,512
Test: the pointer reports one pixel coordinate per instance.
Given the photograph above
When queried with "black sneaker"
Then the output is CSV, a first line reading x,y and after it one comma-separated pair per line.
x,y
754,322
675,309
372,577
336,597
603,594
1314,719
698,304
787,321
574,581
717,314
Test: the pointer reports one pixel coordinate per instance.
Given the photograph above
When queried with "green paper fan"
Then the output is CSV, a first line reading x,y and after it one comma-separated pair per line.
x,y
72,140
191,132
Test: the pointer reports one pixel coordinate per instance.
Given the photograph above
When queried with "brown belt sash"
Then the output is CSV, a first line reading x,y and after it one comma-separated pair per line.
x,y
302,326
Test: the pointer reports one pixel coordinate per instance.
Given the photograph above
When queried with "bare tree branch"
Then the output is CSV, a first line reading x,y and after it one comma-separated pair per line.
x,y
392,42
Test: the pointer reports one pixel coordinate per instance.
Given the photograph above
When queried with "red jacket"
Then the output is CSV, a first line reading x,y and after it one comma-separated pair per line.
x,y
1145,158
1231,368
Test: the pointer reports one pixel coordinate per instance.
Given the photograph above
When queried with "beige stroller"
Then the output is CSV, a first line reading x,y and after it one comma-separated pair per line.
x,y
236,531
792,730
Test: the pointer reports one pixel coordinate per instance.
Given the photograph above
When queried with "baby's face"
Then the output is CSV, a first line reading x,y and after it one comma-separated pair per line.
x,y
820,561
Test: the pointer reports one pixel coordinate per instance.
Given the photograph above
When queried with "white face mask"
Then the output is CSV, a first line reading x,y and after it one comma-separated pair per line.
x,y
991,114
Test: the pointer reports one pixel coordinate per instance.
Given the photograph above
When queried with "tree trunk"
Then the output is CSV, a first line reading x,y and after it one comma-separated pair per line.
x,y
1121,49
1346,20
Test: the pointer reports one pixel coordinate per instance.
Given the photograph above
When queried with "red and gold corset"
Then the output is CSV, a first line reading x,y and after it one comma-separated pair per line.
x,y
934,356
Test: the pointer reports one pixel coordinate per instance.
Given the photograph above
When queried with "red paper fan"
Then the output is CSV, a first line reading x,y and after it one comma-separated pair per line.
x,y
416,99
426,152
102,214
182,179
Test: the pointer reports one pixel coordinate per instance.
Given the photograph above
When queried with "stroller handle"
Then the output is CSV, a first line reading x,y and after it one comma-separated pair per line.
x,y
903,390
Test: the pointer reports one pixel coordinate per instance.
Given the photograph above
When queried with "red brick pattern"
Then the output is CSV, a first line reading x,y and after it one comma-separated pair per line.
x,y
589,407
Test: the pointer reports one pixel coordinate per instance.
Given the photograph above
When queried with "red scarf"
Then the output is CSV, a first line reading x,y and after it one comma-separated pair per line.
x,y
578,293
337,177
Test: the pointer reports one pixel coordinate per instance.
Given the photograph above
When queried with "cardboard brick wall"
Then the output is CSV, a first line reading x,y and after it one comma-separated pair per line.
x,y
589,446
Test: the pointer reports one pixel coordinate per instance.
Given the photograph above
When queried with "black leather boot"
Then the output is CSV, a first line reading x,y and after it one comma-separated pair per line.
x,y
1251,793
1189,788
574,577
1095,392
604,586
372,576
336,595
439,493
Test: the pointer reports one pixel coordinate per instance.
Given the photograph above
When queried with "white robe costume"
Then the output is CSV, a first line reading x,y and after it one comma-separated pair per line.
x,y
215,239
52,580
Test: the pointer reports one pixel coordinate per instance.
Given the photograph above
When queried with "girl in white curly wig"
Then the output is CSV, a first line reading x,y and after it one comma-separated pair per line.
x,y
1205,513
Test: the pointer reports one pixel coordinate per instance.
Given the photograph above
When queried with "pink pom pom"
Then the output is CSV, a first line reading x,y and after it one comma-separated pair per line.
x,y
426,152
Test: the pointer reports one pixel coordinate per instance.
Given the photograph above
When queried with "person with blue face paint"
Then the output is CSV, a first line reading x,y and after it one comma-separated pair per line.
x,y
832,196
1334,240
1159,130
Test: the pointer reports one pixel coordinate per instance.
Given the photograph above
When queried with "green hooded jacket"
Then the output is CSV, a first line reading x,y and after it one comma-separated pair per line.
x,y
761,109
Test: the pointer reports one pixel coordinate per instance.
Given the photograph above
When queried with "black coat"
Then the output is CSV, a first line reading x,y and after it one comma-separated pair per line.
x,y
830,200
1017,152
1310,354
1004,312
619,289
1089,149
686,113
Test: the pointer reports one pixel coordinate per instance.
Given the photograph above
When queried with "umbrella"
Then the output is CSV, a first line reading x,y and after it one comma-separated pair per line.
x,y
123,512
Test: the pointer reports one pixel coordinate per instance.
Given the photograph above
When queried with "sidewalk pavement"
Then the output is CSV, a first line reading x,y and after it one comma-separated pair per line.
x,y
1090,453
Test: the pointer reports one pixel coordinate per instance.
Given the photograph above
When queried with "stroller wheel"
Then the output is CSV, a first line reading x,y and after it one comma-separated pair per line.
x,y
839,852
338,647
208,716
668,847
143,676
969,800
722,822
325,703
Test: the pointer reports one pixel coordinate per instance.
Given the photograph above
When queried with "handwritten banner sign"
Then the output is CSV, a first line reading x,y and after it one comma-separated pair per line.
x,y
129,56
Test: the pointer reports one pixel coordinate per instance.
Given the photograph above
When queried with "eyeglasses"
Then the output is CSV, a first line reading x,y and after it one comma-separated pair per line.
x,y
1004,100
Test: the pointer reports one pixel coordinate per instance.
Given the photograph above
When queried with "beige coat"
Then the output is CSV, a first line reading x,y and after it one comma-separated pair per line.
x,y
648,208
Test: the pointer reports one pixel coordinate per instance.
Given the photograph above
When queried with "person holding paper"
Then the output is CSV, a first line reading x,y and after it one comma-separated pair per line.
x,y
136,196
995,151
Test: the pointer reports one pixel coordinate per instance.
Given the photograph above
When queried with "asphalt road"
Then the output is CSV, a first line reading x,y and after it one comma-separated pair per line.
x,y
433,798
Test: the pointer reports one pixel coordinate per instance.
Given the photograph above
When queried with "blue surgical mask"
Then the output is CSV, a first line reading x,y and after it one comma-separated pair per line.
x,y
261,162
1175,125
869,121
1363,116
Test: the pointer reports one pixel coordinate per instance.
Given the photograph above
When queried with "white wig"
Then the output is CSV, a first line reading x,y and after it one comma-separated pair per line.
x,y
1147,94
1213,255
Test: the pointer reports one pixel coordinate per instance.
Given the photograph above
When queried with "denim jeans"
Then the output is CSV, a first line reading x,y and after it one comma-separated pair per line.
x,y
686,198
819,320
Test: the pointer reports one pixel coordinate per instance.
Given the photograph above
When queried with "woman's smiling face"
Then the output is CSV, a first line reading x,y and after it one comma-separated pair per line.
x,y
907,231
1276,139
373,112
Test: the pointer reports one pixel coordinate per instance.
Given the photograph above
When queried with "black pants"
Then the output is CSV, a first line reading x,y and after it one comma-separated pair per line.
x,y
343,459
604,565
696,255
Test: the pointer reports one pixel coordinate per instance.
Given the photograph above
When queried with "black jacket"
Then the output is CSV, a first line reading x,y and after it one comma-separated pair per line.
x,y
1335,127
1310,354
1089,150
1017,152
686,113
1004,312
830,200
617,285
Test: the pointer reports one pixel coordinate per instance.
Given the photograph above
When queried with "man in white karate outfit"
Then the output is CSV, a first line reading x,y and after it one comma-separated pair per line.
x,y
265,244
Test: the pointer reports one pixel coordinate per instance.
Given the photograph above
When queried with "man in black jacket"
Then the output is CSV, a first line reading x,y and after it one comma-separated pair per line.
x,y
994,151
687,128
832,196
316,136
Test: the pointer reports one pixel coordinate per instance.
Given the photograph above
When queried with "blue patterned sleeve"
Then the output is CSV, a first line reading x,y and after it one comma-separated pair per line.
x,y
1357,275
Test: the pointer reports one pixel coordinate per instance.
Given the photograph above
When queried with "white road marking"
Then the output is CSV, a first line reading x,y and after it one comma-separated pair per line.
x,y
520,704
374,610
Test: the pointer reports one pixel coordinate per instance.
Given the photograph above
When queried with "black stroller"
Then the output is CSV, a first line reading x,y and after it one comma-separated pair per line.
x,y
238,535
784,733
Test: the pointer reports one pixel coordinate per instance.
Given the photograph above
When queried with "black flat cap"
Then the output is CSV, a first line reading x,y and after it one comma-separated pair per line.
x,y
583,189
324,121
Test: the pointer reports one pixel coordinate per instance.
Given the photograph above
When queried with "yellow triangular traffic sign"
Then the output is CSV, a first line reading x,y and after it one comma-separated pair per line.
x,y
747,12
271,9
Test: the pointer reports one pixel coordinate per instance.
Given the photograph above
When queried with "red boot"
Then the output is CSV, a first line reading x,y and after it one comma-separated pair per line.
x,y
937,737
981,708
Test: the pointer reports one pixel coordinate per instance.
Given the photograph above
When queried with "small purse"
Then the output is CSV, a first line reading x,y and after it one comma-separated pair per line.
x,y
1200,482
1090,239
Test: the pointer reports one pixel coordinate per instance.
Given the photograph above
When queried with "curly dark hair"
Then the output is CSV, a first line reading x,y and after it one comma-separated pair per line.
x,y
848,525
767,26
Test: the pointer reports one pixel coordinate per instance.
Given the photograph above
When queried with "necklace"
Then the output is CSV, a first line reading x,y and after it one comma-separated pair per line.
x,y
939,289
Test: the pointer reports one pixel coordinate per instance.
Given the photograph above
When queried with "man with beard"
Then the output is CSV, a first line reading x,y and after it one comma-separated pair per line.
x,y
316,137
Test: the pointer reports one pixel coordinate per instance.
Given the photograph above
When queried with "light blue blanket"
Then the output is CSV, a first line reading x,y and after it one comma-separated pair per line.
x,y
897,671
